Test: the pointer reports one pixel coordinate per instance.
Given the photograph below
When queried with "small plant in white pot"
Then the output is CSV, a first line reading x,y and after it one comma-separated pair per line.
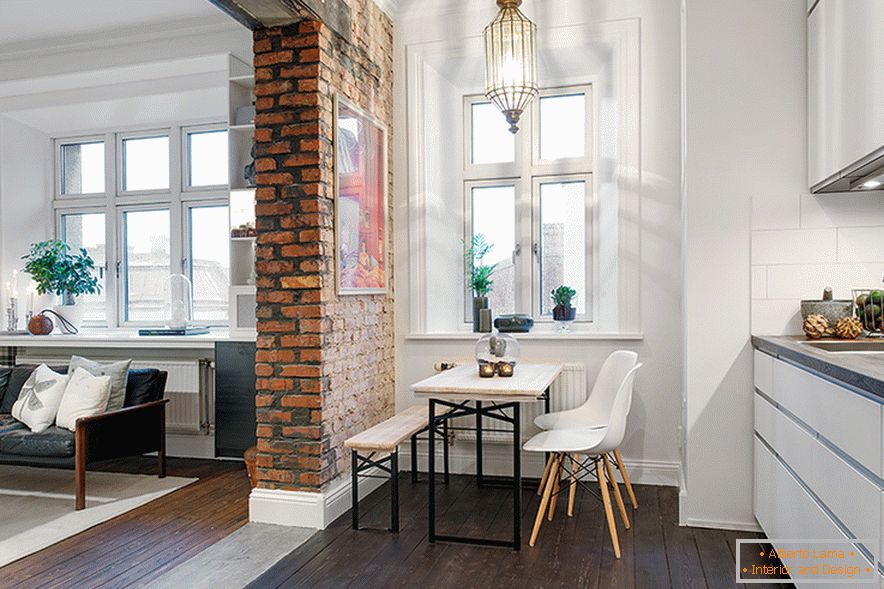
x,y
58,270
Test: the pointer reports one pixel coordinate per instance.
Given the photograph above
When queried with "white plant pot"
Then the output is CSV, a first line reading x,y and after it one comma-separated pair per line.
x,y
44,301
72,313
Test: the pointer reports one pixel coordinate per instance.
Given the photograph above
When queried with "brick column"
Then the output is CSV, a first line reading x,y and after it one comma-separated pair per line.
x,y
324,363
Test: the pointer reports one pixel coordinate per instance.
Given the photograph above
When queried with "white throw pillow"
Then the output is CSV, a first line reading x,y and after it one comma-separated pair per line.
x,y
85,395
39,398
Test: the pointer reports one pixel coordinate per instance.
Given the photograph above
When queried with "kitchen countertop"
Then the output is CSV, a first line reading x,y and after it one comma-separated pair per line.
x,y
862,371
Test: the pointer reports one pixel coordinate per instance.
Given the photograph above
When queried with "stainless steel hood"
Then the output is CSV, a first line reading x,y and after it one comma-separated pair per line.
x,y
256,14
868,174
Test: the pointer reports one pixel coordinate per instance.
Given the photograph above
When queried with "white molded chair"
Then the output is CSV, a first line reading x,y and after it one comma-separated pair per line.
x,y
596,411
595,443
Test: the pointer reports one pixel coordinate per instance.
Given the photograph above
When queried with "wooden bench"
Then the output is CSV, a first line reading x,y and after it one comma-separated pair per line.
x,y
385,437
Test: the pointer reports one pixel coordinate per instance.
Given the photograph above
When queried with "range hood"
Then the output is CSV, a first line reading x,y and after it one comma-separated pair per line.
x,y
845,96
868,174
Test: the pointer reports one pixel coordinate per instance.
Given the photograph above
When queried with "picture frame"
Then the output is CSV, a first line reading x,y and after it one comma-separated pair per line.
x,y
361,215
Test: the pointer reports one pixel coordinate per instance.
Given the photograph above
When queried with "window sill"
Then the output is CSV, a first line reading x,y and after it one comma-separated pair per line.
x,y
531,336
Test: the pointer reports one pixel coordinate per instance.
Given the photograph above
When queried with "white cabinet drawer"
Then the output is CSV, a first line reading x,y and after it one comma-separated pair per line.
x,y
848,420
787,439
850,496
764,372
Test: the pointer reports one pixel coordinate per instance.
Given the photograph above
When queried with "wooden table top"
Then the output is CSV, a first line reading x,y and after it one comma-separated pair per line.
x,y
528,382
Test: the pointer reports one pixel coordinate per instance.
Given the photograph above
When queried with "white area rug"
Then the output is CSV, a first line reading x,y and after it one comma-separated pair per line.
x,y
37,504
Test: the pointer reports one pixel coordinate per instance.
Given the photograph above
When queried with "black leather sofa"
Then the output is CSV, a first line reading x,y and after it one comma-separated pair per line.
x,y
138,428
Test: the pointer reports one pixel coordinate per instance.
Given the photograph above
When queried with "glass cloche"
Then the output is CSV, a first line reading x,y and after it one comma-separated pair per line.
x,y
494,348
178,310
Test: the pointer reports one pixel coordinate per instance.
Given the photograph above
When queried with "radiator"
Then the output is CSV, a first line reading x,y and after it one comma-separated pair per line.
x,y
189,388
568,391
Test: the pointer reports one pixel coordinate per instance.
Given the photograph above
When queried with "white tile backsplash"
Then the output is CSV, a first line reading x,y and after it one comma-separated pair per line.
x,y
861,244
841,210
793,246
839,242
806,281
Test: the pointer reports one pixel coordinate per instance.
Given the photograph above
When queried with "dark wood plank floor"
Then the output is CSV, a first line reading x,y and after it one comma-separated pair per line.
x,y
141,545
570,552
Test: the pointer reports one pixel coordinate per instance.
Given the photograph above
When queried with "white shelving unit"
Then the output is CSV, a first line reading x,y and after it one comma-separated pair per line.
x,y
241,139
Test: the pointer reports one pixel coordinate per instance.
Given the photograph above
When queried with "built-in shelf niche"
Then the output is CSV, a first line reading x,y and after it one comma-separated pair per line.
x,y
241,139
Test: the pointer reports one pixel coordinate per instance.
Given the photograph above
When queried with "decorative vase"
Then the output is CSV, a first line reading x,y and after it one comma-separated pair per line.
x,y
71,311
479,303
178,310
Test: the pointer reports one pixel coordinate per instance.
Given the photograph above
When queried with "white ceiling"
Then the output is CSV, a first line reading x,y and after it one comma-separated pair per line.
x,y
29,21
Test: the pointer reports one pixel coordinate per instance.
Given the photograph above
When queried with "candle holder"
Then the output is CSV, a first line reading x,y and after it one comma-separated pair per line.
x,y
486,369
505,369
12,315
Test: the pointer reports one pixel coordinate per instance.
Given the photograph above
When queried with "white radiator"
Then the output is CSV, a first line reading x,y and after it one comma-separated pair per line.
x,y
189,388
568,391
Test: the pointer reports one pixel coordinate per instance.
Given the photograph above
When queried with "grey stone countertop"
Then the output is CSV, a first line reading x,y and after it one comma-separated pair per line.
x,y
859,370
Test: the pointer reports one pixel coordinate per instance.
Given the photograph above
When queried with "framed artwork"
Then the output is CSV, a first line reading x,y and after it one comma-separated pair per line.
x,y
360,201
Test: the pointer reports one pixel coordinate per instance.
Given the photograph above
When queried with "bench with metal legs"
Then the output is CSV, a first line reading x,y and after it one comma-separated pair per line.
x,y
385,438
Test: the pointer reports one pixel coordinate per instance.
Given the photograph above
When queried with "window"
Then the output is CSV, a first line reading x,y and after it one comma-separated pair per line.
x,y
145,163
147,256
530,195
140,226
82,168
87,230
209,262
204,150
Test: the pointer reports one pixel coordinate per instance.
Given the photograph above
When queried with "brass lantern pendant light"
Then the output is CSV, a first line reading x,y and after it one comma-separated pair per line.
x,y
511,61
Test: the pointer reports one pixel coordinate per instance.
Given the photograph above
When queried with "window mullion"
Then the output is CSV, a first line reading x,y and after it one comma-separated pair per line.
x,y
111,234
526,223
176,211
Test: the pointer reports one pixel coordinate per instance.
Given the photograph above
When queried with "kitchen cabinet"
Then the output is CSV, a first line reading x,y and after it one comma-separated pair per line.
x,y
818,456
235,415
845,90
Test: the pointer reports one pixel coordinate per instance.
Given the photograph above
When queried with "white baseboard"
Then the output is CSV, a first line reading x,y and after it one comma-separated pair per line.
x,y
190,445
722,525
308,510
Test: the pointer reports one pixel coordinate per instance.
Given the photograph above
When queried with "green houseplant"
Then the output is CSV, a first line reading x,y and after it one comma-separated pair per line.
x,y
562,296
57,269
479,274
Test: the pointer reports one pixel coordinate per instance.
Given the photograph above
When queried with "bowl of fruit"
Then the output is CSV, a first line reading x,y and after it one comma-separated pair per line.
x,y
868,307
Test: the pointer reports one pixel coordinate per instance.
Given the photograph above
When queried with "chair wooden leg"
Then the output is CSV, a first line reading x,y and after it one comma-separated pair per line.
x,y
609,512
541,510
556,477
546,470
80,467
574,465
617,496
625,476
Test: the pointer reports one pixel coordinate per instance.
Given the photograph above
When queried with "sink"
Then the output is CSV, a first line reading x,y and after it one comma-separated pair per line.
x,y
854,346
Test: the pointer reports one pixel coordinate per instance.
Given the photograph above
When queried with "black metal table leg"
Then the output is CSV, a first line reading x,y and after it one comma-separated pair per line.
x,y
394,491
431,472
414,459
546,407
479,470
517,478
445,444
354,487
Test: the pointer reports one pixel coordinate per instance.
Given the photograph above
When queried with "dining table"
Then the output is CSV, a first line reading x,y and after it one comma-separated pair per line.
x,y
461,392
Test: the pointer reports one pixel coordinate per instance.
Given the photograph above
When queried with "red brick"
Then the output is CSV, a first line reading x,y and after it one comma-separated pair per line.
x,y
304,401
272,58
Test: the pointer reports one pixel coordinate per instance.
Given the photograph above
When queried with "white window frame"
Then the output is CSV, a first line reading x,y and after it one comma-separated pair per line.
x,y
186,261
91,209
58,144
115,201
527,172
185,157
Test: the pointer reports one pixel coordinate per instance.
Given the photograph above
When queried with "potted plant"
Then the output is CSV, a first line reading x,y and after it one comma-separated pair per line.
x,y
58,270
562,296
479,276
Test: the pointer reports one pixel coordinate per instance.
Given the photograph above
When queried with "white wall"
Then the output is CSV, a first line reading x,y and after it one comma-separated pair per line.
x,y
652,442
25,163
744,96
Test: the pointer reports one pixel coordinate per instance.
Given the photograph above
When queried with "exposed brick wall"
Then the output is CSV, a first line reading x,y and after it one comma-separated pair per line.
x,y
324,363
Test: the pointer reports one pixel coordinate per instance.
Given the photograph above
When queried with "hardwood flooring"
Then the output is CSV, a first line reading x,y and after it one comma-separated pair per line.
x,y
142,544
570,552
